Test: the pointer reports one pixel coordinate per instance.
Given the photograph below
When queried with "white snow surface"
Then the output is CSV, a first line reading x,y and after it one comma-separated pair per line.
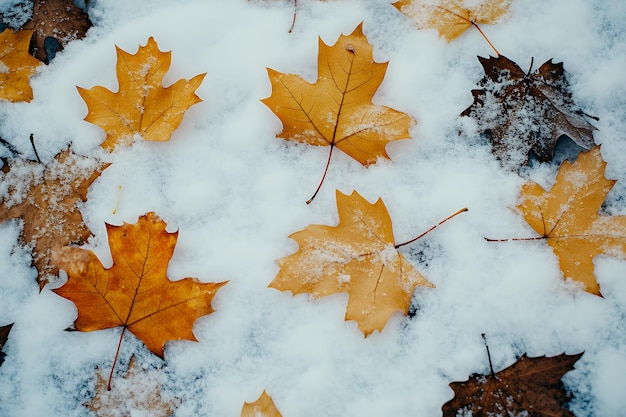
x,y
235,193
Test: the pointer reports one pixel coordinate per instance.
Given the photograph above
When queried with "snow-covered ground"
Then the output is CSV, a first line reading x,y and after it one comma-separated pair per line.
x,y
235,192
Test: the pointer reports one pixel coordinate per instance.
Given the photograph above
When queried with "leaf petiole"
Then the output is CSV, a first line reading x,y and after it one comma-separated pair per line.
x,y
464,209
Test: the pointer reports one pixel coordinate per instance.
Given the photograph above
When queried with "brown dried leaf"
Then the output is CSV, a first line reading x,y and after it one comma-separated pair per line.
x,y
16,66
262,407
46,198
4,336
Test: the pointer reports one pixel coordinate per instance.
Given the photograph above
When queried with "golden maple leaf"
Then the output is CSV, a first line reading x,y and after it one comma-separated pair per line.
x,y
142,106
16,65
451,17
263,407
135,292
567,217
337,110
138,392
358,256
46,198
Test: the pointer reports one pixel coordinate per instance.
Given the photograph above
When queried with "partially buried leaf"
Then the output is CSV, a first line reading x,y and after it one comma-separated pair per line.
x,y
142,107
522,112
262,407
135,292
567,217
359,257
58,19
530,387
137,393
452,17
4,336
16,66
46,199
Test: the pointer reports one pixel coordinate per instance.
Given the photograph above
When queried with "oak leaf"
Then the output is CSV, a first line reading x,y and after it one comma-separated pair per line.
x,y
263,407
135,292
16,66
337,110
138,392
567,217
523,111
4,336
56,23
357,256
47,199
529,387
142,107
451,18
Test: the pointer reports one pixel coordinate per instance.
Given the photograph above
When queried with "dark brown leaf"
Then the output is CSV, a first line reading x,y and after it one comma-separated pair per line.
x,y
522,111
4,335
530,387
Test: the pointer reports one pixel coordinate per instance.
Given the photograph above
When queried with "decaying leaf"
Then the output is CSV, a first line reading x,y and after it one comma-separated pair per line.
x,y
359,257
16,66
4,336
567,217
46,199
262,407
337,110
137,393
135,292
142,107
452,17
58,20
522,111
530,387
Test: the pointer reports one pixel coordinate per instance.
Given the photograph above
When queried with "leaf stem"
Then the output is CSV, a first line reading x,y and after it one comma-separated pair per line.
x,y
464,209
9,147
330,154
119,345
295,8
486,38
32,143
493,374
515,238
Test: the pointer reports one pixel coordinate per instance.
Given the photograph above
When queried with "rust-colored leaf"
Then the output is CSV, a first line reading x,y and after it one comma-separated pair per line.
x,y
359,257
262,407
138,392
59,20
16,66
567,217
527,111
46,198
4,336
337,110
135,292
142,107
529,387
451,18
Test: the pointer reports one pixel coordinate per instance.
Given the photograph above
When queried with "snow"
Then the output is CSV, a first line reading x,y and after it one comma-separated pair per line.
x,y
236,193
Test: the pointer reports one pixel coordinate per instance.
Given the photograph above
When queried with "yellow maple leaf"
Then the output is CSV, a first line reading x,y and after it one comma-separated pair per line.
x,y
337,110
567,217
263,407
452,17
142,106
16,65
358,256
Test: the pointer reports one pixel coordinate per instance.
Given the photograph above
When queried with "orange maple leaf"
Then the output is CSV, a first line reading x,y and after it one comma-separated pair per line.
x,y
142,106
451,17
16,65
263,407
337,110
358,256
135,292
567,217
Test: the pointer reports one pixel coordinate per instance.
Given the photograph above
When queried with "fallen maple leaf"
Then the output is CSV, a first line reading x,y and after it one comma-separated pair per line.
x,y
521,111
60,20
138,392
529,387
142,106
135,292
358,256
451,18
337,110
567,217
16,66
46,198
262,407
4,336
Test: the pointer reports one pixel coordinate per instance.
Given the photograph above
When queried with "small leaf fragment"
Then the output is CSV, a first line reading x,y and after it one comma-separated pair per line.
x,y
262,407
16,66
